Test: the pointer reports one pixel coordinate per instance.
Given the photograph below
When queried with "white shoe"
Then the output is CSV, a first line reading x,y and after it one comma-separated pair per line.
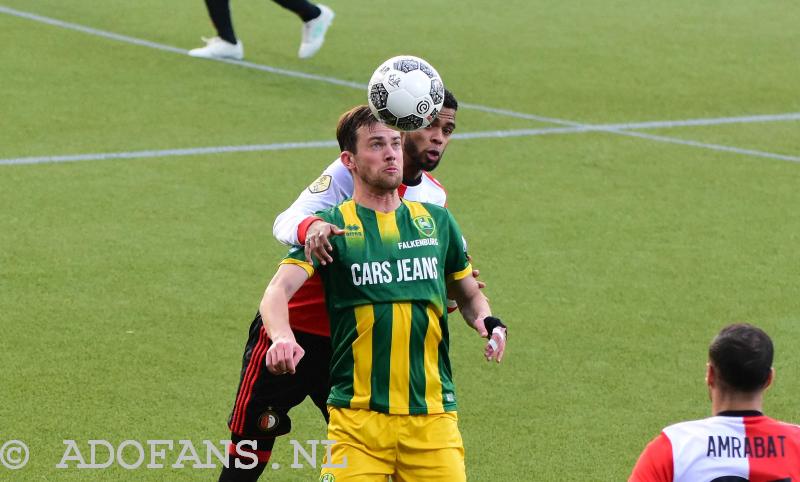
x,y
216,48
314,32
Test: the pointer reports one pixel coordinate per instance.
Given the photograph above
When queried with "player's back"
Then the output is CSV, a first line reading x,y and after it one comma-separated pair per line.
x,y
735,447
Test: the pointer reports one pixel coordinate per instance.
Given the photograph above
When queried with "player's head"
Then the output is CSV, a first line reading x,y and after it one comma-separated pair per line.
x,y
740,357
423,149
370,150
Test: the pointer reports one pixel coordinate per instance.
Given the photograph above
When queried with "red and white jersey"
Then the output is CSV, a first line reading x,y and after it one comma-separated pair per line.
x,y
733,446
333,186
307,307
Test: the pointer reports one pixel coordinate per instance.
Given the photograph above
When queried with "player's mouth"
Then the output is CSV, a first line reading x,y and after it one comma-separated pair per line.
x,y
392,170
433,155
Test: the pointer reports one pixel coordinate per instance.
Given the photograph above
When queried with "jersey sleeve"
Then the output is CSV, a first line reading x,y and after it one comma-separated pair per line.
x,y
655,463
297,257
457,265
332,187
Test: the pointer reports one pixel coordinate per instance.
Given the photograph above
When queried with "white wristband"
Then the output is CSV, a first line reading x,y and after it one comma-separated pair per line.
x,y
500,331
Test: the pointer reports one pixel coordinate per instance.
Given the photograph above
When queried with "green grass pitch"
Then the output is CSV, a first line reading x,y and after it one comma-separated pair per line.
x,y
127,285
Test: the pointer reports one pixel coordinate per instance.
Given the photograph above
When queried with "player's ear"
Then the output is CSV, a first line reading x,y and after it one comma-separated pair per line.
x,y
348,159
710,375
770,378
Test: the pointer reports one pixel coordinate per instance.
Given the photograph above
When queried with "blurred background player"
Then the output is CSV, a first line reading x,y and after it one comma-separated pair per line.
x,y
738,443
392,402
316,20
263,397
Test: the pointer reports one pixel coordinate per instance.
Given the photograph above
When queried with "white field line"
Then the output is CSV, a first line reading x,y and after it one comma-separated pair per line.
x,y
620,129
193,151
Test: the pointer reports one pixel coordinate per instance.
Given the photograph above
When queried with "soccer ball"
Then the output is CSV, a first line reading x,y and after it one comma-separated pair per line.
x,y
405,92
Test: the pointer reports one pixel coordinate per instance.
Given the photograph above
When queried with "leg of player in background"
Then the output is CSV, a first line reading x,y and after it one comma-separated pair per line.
x,y
224,45
303,8
316,20
234,474
263,400
220,13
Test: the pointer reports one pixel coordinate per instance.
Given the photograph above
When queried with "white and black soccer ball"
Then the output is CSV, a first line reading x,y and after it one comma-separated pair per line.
x,y
405,92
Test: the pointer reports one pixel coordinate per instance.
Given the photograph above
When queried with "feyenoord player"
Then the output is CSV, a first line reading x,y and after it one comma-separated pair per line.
x,y
738,443
263,400
392,402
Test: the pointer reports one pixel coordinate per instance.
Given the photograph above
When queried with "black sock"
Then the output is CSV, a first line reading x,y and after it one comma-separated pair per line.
x,y
232,474
303,8
220,13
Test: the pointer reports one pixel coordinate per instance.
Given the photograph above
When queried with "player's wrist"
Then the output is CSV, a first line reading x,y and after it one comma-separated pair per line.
x,y
495,325
282,336
302,228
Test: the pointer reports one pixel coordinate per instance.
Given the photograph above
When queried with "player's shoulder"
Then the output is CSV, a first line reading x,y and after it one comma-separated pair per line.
x,y
337,168
431,208
789,427
334,212
427,190
690,427
426,176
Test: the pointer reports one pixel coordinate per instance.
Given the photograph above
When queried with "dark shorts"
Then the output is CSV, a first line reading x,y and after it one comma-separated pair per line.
x,y
263,400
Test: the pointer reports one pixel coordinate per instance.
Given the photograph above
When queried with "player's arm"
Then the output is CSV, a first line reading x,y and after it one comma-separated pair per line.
x,y
464,289
477,313
655,463
284,353
332,187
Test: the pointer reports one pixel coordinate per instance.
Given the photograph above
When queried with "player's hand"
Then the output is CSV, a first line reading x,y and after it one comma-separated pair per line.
x,y
318,243
496,346
475,274
283,356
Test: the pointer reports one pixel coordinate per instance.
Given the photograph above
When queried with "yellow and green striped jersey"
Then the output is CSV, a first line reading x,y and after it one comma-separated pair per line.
x,y
386,295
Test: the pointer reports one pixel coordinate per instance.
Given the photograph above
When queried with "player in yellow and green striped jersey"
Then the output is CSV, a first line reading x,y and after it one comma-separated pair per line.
x,y
392,401
395,265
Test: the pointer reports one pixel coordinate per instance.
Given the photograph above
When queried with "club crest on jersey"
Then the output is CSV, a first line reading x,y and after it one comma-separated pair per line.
x,y
425,225
268,421
321,184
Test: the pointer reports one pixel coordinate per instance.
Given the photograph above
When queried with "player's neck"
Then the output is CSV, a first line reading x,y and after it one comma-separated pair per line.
x,y
730,402
376,199
411,176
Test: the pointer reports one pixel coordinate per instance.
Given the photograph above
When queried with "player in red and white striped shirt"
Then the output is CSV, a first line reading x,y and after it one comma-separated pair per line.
x,y
739,443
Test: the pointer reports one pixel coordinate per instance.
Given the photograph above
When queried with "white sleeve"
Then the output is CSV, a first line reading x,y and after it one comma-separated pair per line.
x,y
332,187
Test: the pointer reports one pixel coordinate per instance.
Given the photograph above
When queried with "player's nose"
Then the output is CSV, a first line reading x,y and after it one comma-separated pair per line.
x,y
437,136
392,152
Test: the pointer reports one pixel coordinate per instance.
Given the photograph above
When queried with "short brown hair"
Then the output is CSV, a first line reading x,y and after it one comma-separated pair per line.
x,y
742,356
349,123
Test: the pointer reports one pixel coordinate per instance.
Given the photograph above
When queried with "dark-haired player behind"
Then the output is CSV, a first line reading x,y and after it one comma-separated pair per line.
x,y
738,443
